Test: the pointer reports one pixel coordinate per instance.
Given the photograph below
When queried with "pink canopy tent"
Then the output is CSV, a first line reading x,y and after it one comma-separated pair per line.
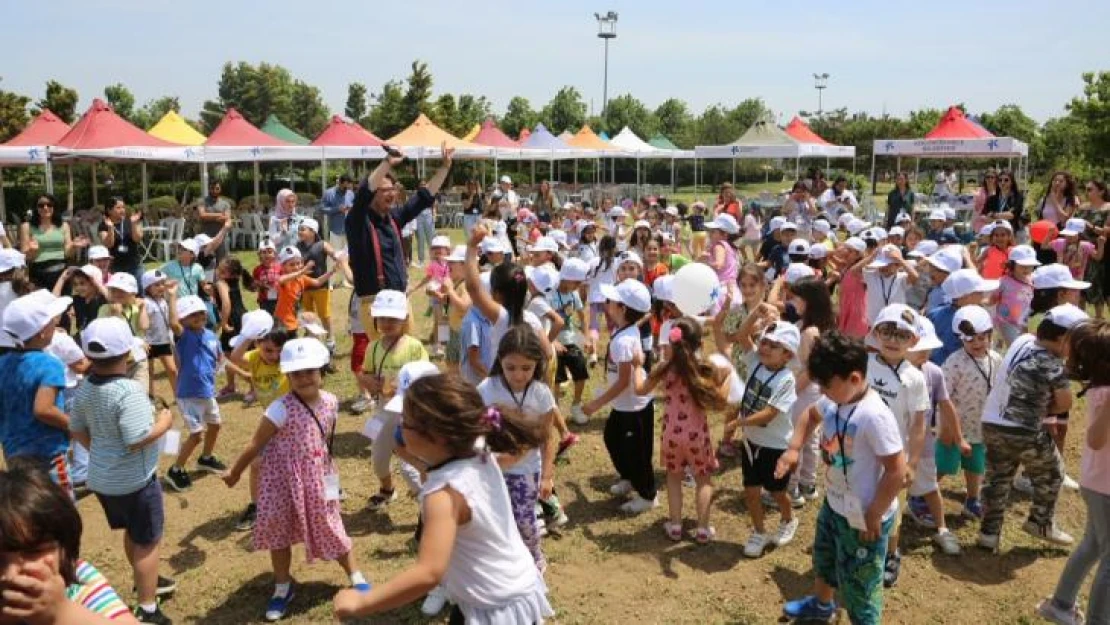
x,y
45,130
955,125
235,131
802,132
491,135
340,132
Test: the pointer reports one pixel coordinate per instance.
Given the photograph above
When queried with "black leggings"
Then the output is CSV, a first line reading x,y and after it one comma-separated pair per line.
x,y
630,439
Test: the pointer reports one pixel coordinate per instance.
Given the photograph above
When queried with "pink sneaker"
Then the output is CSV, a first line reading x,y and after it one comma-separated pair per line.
x,y
249,398
569,440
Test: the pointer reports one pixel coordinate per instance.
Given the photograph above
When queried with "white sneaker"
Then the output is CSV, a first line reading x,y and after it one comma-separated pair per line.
x,y
1069,483
1049,532
331,346
1049,611
542,526
435,601
988,541
361,405
638,504
1023,485
755,546
621,488
560,520
785,533
947,542
577,416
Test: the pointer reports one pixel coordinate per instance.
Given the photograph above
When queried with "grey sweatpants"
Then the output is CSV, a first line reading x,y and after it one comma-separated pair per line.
x,y
1093,551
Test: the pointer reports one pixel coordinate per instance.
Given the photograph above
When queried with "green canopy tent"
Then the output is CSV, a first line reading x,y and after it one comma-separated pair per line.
x,y
276,129
662,142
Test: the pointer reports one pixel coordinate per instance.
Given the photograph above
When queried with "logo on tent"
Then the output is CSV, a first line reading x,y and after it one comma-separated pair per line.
x,y
256,151
364,151
889,146
33,154
992,144
189,152
735,150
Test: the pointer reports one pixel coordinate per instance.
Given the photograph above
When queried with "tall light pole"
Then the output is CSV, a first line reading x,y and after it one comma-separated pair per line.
x,y
606,30
820,81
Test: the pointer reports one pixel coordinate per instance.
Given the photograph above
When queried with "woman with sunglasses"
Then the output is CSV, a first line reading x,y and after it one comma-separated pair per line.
x,y
1008,203
47,243
988,186
1061,201
1096,212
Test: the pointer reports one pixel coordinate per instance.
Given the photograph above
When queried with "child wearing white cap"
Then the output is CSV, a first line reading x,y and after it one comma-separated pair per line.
x,y
299,498
124,302
992,260
100,258
1015,293
317,298
87,289
848,264
436,274
266,276
293,282
886,275
160,293
456,299
184,270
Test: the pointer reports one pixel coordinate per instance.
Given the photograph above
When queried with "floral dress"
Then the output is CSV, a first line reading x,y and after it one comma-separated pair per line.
x,y
686,442
292,507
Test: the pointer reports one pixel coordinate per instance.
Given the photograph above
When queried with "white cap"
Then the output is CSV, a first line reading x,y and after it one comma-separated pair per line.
x,y
900,315
390,304
947,259
255,325
845,219
726,223
965,282
11,259
856,244
786,225
98,252
457,255
631,293
879,232
870,234
671,210
949,213
545,244
783,333
408,374
266,244
189,305
1002,223
190,245
559,237
1024,255
1066,316
937,214
124,282
288,253
574,269
616,212
817,252
797,271
925,248
491,245
311,224
1074,227
822,226
441,241
926,336
301,354
776,223
884,258
902,218
897,231
582,224
663,288
30,314
798,246
92,272
568,206
545,279
152,277
986,230
1056,276
855,226
310,323
107,337
506,180
641,223
202,240
629,256
977,316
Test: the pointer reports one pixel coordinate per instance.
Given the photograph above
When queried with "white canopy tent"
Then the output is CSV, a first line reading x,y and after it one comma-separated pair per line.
x,y
989,147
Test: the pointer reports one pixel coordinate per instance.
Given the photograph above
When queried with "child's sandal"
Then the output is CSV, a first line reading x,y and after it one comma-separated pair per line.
x,y
673,530
705,535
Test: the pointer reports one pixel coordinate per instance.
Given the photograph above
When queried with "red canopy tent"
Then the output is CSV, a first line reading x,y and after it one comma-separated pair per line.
x,y
491,135
524,134
100,128
340,132
955,125
803,133
235,131
45,130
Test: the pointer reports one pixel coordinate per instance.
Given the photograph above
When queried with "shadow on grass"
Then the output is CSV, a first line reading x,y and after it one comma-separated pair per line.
x,y
190,556
791,582
367,522
716,557
351,445
982,568
247,603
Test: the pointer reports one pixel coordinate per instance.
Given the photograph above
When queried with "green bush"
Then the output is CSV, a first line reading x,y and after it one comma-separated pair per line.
x,y
306,200
164,203
247,204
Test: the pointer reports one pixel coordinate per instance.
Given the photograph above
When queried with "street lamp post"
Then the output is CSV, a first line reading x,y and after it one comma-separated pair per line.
x,y
606,30
820,81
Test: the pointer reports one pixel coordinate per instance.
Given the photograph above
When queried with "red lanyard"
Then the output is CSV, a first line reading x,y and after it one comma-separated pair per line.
x,y
378,247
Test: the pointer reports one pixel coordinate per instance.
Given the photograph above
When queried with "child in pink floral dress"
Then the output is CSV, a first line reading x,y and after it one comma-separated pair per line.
x,y
298,498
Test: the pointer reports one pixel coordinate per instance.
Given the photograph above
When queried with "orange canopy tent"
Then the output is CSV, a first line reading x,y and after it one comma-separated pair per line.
x,y
424,133
803,133
587,139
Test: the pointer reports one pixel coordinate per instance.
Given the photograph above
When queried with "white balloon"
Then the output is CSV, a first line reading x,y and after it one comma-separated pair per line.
x,y
696,289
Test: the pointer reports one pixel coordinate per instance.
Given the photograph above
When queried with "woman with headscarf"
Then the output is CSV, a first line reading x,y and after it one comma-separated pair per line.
x,y
281,230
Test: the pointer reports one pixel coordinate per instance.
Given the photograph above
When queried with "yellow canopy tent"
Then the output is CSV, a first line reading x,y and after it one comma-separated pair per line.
x,y
423,133
587,139
173,128
473,133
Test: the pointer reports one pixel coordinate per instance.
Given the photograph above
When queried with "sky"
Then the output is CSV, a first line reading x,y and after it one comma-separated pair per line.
x,y
881,56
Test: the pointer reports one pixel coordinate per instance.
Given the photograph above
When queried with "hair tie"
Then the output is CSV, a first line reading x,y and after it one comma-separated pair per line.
x,y
519,276
675,335
491,418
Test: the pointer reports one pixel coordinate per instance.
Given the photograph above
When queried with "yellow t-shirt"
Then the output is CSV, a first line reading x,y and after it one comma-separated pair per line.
x,y
388,363
269,382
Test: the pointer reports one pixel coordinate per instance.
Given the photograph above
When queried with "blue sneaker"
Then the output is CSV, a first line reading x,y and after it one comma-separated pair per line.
x,y
919,512
278,606
364,587
973,509
809,607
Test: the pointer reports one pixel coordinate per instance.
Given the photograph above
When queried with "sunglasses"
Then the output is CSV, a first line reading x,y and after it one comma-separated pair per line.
x,y
991,177
45,205
893,333
1004,180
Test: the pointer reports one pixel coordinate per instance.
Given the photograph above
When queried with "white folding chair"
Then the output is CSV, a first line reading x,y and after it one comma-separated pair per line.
x,y
168,240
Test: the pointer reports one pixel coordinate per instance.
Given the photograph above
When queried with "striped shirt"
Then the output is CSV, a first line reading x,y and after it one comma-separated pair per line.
x,y
116,413
93,592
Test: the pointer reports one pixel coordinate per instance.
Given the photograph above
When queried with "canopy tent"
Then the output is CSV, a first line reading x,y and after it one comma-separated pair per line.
x,y
604,136
627,140
802,133
662,142
473,132
542,139
101,128
566,136
46,129
587,139
424,133
763,140
524,134
340,132
173,128
275,128
235,131
489,134
955,125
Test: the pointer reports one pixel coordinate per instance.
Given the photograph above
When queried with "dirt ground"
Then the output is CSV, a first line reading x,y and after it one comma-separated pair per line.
x,y
605,567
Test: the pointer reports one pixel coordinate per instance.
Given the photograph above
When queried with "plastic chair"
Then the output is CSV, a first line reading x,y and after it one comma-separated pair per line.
x,y
251,231
168,239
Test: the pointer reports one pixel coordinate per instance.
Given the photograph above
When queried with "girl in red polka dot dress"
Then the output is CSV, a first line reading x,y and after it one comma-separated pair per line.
x,y
691,387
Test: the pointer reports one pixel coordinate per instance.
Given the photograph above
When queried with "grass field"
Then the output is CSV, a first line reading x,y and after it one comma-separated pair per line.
x,y
605,567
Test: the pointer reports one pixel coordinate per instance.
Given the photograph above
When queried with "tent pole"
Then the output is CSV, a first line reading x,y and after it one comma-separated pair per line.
x,y
672,176
323,175
576,174
798,167
734,170
203,177
49,173
146,187
69,189
95,200
256,206
533,171
873,182
916,166
695,179
3,206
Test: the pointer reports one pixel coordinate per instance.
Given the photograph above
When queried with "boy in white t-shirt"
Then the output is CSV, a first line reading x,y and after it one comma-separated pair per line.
x,y
886,275
902,387
861,446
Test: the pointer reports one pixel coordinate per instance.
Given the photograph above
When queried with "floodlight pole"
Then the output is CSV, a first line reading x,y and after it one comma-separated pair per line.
x,y
820,82
606,30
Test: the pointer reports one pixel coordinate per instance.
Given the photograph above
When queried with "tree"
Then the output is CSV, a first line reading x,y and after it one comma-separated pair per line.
x,y
122,101
518,116
256,92
715,128
154,110
445,113
921,122
307,112
356,102
566,111
747,113
1010,121
13,114
472,110
1064,144
675,121
61,100
418,92
626,110
387,115
1093,110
